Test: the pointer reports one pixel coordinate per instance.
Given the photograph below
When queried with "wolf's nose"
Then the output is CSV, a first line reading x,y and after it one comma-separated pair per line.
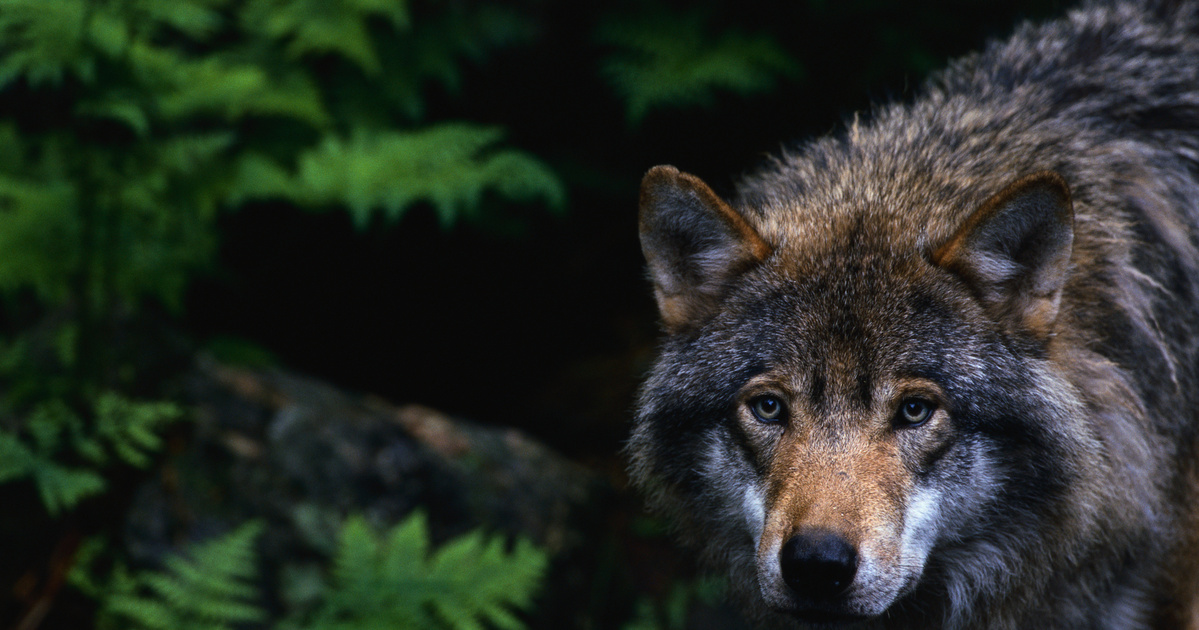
x,y
818,564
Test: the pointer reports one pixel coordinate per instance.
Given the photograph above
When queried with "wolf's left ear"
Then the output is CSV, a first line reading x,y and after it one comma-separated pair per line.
x,y
694,243
1015,250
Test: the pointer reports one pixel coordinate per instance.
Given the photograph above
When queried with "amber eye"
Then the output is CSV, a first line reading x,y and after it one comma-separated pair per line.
x,y
914,411
767,408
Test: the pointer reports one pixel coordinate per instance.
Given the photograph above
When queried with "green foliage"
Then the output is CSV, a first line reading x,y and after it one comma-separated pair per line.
x,y
212,586
389,580
665,59
126,126
148,116
131,429
393,581
60,487
448,165
325,26
121,430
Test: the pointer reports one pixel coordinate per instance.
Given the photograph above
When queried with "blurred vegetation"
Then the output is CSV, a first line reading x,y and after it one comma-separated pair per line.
x,y
132,130
392,581
376,581
209,586
666,59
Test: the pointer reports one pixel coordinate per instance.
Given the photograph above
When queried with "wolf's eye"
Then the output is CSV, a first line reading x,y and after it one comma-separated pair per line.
x,y
767,408
914,411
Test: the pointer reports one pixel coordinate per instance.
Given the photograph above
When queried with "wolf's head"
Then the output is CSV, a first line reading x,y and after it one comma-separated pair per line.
x,y
846,398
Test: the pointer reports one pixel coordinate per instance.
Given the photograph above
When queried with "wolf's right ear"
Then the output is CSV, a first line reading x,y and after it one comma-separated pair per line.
x,y
1015,251
694,243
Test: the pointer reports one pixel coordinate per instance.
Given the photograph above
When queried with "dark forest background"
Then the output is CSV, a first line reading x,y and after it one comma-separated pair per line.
x,y
543,320
420,202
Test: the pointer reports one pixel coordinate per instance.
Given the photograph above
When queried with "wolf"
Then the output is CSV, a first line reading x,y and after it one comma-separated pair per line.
x,y
939,369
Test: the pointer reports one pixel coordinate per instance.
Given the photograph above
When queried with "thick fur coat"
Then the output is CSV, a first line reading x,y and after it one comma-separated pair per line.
x,y
940,370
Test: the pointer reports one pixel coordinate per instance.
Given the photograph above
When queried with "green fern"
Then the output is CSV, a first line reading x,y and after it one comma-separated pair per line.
x,y
211,586
131,429
326,26
450,165
202,85
59,487
122,429
394,581
44,41
672,60
391,580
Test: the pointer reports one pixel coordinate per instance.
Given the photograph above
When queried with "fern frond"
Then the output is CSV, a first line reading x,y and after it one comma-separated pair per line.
x,y
209,586
38,235
325,26
131,428
225,87
480,580
118,109
16,459
61,487
391,581
450,166
672,60
198,19
128,428
44,41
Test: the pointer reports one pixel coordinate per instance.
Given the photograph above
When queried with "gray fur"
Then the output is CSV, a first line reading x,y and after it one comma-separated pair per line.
x,y
1064,467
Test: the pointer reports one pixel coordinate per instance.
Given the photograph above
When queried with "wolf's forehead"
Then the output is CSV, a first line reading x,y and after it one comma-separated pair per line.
x,y
895,216
842,321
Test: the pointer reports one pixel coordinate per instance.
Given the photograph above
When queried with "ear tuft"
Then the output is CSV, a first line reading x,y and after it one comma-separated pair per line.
x,y
693,242
1014,251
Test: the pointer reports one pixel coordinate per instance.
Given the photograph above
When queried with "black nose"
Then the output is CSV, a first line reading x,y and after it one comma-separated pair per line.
x,y
818,564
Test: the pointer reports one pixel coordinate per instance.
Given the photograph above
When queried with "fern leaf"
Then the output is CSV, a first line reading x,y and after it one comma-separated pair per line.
x,y
325,26
670,60
355,569
391,581
48,422
38,235
483,578
109,31
132,428
407,547
450,166
140,613
198,19
61,487
211,585
224,86
119,110
43,41
16,459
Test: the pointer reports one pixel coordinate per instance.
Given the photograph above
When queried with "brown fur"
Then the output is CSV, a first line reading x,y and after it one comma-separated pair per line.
x,y
1017,253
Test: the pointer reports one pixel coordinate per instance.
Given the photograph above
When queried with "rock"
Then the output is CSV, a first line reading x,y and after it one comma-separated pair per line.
x,y
301,455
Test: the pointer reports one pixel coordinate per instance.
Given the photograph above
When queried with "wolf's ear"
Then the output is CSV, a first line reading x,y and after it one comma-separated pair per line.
x,y
694,243
1014,251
